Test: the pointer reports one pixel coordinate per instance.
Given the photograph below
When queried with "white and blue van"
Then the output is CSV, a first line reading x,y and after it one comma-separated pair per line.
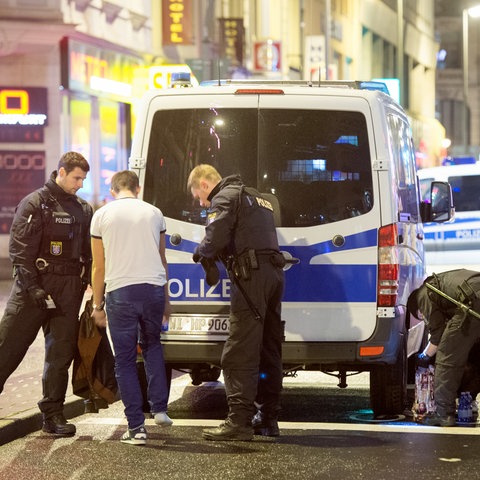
x,y
340,162
454,244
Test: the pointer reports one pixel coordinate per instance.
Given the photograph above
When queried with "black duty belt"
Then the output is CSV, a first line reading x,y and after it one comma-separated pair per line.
x,y
264,257
43,266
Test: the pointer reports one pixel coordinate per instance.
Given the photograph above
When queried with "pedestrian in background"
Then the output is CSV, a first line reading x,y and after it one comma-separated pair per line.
x,y
241,232
129,263
453,332
50,251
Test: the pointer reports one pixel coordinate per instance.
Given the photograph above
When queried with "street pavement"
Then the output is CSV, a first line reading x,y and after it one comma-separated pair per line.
x,y
306,449
326,433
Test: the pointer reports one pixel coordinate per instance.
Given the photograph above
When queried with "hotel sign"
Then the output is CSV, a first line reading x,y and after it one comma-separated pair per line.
x,y
177,22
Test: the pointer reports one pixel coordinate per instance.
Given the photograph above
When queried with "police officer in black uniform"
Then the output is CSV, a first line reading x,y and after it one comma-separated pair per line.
x,y
50,251
241,232
453,331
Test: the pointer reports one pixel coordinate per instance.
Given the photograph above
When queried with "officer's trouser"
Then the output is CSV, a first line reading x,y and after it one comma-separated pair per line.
x,y
252,357
20,325
457,340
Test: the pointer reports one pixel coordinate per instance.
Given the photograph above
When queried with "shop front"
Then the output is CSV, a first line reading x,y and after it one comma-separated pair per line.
x,y
97,115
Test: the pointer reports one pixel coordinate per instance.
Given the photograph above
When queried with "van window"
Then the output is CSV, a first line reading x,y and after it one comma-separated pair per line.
x,y
403,151
316,162
465,189
466,192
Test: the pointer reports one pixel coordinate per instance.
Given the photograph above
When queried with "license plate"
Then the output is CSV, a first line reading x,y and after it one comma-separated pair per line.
x,y
198,324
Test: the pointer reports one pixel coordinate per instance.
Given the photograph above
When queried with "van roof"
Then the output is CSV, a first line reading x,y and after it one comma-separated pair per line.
x,y
442,173
357,89
355,84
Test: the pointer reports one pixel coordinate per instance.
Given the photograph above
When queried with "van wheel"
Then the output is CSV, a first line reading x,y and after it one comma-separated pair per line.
x,y
388,386
206,373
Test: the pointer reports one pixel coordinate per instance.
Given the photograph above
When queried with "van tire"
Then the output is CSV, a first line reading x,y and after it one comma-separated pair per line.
x,y
205,373
388,386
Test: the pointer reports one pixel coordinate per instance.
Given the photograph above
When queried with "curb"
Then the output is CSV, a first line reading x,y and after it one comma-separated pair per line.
x,y
21,424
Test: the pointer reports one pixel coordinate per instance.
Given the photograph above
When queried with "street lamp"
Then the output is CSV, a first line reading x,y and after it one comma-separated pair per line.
x,y
473,12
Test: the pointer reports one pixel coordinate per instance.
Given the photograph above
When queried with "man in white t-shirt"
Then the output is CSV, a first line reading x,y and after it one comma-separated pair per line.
x,y
130,269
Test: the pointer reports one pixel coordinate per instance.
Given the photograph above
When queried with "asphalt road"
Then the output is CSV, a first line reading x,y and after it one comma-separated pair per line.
x,y
326,433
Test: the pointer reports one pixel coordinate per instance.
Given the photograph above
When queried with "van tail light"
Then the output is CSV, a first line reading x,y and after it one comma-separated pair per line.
x,y
388,268
259,91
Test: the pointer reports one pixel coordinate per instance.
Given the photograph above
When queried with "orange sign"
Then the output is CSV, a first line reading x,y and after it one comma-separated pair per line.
x,y
22,107
177,25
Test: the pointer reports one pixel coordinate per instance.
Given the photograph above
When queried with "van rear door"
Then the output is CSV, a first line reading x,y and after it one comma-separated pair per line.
x,y
314,155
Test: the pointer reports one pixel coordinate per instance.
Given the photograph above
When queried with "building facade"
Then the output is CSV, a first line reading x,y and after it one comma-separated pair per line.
x,y
457,82
73,70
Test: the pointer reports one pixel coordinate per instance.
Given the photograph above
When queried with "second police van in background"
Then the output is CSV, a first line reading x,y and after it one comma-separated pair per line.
x,y
337,161
454,244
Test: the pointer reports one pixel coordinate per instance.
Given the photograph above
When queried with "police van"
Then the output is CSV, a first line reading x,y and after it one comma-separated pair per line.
x,y
337,161
454,244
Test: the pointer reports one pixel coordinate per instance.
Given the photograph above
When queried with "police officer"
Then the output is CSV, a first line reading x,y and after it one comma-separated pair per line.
x,y
453,331
50,251
241,232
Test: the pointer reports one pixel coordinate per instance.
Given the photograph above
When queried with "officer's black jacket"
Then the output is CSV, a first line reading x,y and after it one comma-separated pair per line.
x,y
239,219
30,229
441,309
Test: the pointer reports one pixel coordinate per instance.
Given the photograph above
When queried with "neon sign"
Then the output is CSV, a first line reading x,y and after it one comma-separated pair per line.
x,y
88,68
177,22
23,106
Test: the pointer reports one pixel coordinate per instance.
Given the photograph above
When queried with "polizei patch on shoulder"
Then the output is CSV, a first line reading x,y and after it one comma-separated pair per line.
x,y
264,203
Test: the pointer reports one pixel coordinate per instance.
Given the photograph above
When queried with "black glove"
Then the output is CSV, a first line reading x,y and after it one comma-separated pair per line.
x,y
39,296
212,275
196,257
423,360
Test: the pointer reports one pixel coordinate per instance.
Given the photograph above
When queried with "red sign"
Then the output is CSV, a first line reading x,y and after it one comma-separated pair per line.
x,y
267,56
177,24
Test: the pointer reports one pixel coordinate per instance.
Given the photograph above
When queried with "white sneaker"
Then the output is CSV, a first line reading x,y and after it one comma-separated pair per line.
x,y
135,437
163,419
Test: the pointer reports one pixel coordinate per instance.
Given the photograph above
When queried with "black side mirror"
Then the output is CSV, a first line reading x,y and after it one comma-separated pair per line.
x,y
440,206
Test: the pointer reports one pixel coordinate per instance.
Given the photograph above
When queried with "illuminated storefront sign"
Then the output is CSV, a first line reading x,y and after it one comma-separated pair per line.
x,y
21,172
177,25
23,106
88,68
23,114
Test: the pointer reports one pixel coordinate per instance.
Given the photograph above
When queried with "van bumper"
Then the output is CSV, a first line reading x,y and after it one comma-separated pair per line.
x,y
389,334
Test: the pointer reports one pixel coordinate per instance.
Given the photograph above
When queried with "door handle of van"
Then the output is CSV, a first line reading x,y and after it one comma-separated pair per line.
x,y
419,236
289,260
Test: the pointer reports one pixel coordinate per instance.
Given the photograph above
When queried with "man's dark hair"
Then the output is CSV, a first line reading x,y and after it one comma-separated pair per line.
x,y
70,160
125,180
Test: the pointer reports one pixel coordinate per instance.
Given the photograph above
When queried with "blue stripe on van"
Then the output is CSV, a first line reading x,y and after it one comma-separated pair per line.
x,y
304,282
352,242
331,283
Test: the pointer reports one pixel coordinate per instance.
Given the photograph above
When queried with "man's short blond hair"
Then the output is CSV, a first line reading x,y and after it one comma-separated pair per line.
x,y
202,171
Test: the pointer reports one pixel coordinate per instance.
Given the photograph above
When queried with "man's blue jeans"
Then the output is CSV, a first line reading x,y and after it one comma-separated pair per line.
x,y
135,316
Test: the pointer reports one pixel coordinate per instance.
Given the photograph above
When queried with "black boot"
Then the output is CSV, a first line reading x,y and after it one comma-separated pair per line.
x,y
58,426
265,425
229,431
